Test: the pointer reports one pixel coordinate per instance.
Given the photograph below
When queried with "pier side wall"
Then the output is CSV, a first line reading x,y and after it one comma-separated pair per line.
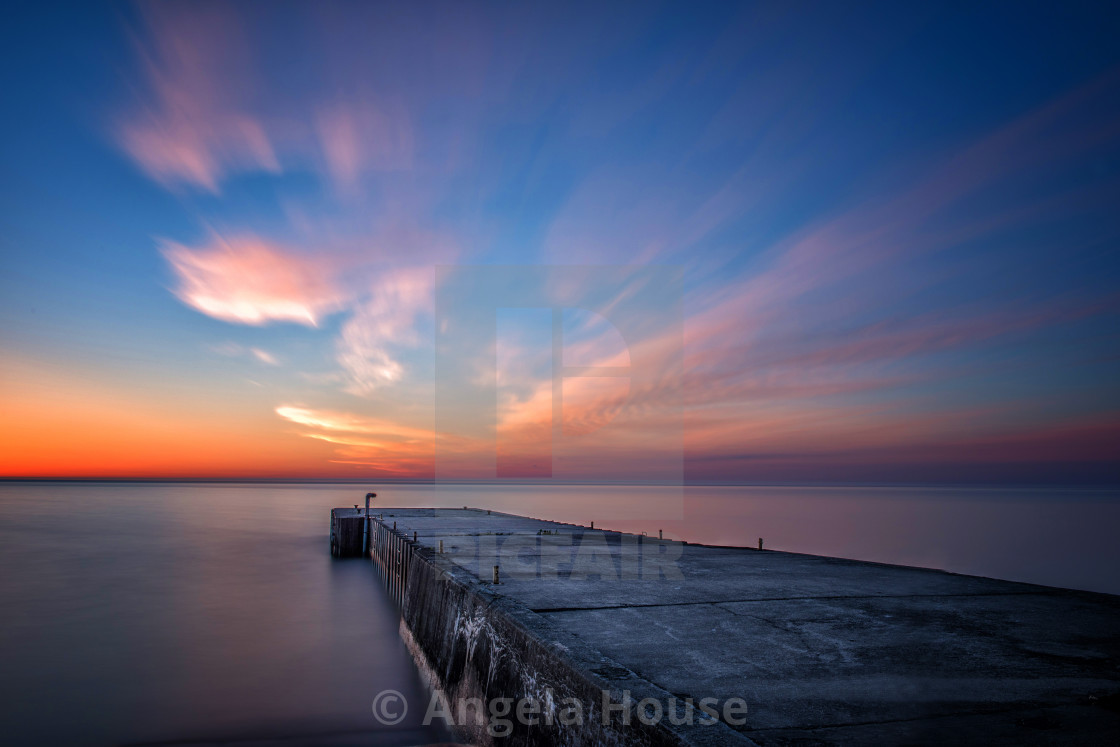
x,y
474,644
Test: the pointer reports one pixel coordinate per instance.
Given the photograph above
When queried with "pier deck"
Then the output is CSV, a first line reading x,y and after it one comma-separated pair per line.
x,y
822,650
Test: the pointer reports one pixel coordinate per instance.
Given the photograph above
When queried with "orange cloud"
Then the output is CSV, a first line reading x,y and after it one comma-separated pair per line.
x,y
330,420
384,446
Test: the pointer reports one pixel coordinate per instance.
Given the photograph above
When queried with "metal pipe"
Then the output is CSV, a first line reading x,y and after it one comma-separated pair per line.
x,y
365,526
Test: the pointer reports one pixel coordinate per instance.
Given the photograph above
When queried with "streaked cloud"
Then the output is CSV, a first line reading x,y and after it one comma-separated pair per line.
x,y
249,281
234,350
195,125
209,111
361,136
330,420
264,356
381,445
385,321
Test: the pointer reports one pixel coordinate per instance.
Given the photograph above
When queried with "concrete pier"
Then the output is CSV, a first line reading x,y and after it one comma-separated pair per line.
x,y
819,650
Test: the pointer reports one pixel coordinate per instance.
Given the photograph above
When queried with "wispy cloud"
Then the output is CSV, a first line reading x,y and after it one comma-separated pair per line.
x,y
233,350
249,281
264,356
360,136
384,322
330,420
381,445
194,125
209,111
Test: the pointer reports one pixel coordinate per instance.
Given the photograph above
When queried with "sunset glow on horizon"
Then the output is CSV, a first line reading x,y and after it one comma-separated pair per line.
x,y
228,227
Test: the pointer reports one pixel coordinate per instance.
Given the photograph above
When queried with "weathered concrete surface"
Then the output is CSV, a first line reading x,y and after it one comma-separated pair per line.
x,y
822,650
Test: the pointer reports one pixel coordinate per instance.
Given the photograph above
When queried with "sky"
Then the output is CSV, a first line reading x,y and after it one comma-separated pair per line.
x,y
819,242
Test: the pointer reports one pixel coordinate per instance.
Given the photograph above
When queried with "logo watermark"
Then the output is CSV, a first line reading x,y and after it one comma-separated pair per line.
x,y
499,716
390,707
588,391
575,555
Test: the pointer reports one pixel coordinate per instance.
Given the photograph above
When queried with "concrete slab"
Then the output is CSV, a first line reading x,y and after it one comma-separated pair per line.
x,y
823,650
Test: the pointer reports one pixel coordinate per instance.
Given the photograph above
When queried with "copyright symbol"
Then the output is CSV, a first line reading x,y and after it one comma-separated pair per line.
x,y
389,707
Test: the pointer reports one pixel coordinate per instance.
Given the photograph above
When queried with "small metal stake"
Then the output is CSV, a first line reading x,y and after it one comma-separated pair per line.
x,y
496,574
414,535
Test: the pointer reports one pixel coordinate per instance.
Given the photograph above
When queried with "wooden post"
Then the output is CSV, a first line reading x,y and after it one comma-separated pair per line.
x,y
759,543
592,525
441,547
413,535
660,535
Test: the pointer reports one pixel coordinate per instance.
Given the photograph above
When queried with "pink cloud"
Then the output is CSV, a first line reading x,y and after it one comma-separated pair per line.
x,y
195,125
248,281
207,112
360,137
947,444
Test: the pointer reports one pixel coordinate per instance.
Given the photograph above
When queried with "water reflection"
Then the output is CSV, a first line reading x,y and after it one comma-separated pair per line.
x,y
139,614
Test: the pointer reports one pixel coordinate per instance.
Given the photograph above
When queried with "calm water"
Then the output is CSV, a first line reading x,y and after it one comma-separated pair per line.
x,y
151,613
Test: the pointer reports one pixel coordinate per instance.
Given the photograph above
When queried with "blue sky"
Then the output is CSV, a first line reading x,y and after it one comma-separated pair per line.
x,y
896,226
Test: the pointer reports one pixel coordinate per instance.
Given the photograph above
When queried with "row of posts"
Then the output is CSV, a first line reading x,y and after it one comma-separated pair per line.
x,y
392,552
660,536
